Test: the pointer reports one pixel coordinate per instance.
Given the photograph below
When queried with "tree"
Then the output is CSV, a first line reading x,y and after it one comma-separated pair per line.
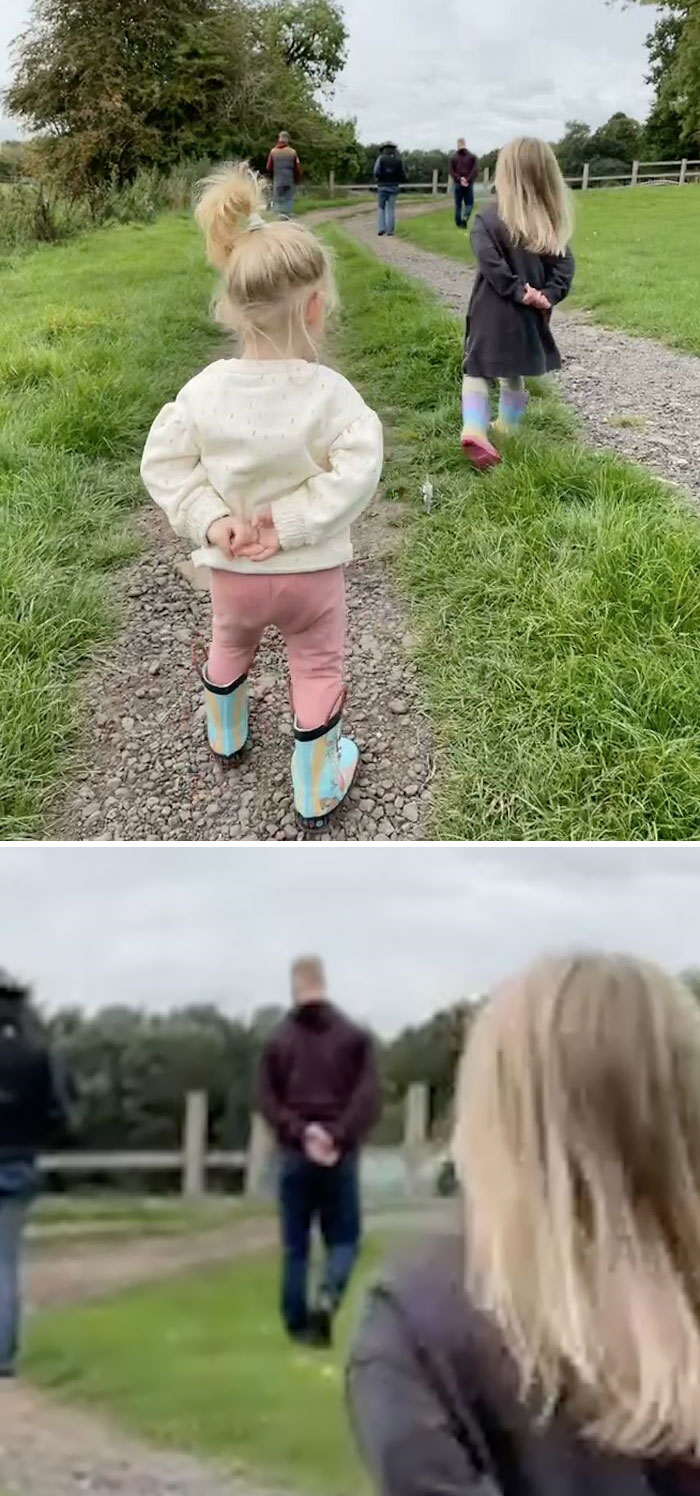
x,y
574,148
674,51
620,139
115,85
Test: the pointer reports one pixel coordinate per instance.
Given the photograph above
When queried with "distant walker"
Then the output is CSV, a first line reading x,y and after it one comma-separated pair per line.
x,y
464,169
284,166
320,1094
390,175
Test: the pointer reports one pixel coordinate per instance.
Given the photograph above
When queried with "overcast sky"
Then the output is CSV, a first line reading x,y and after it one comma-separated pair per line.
x,y
489,69
404,930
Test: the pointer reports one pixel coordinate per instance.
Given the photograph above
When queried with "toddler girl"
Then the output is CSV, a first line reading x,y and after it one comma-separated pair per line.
x,y
262,463
524,267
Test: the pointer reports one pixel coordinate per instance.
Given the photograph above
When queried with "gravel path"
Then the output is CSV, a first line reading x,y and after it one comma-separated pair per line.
x,y
631,393
144,769
49,1450
61,1274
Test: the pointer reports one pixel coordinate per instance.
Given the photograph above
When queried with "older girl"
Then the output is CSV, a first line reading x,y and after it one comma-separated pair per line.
x,y
263,462
553,1347
524,268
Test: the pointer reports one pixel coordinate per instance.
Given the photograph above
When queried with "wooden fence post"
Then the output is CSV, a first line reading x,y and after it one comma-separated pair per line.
x,y
487,176
586,177
635,174
331,183
415,1131
195,1145
259,1154
436,182
684,173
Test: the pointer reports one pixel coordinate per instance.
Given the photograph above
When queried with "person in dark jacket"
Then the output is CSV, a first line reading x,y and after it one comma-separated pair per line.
x,y
464,169
32,1113
320,1094
524,268
389,174
551,1345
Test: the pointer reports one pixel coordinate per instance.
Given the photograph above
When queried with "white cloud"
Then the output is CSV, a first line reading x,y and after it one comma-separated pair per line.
x,y
403,930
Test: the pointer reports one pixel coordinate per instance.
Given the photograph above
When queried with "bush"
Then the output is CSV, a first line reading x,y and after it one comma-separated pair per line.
x,y
36,212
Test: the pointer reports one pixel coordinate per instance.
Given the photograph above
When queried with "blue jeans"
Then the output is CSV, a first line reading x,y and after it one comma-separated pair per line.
x,y
386,223
464,199
13,1213
283,201
311,1194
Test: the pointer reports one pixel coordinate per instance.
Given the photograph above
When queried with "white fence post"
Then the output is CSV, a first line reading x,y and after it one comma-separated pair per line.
x,y
684,173
635,173
259,1152
415,1131
586,177
195,1145
436,180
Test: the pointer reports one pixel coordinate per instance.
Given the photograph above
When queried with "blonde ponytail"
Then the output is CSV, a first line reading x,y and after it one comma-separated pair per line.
x,y
270,267
228,199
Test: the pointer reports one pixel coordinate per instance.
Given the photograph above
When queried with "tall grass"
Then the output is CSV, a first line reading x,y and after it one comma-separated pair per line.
x,y
36,212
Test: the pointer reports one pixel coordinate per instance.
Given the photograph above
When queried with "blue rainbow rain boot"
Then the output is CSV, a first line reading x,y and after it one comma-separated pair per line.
x,y
227,718
476,416
324,765
512,406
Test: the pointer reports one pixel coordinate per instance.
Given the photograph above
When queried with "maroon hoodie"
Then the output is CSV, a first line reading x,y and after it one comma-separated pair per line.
x,y
464,164
318,1066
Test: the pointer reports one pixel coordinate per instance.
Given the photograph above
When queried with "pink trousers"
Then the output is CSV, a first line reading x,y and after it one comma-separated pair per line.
x,y
309,610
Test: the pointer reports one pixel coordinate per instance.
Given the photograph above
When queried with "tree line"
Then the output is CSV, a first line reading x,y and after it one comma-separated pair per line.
x,y
111,88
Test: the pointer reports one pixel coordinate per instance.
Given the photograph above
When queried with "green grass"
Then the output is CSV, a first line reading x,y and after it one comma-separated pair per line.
x,y
555,599
96,335
637,252
200,1363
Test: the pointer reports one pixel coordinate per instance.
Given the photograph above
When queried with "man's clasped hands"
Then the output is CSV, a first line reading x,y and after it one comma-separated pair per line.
x,y
255,539
319,1146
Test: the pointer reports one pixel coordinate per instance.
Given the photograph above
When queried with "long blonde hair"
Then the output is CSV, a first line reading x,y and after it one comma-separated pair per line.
x,y
577,1144
270,268
534,202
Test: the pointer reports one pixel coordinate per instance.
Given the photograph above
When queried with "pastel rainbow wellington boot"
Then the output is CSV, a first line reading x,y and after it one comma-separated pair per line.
x,y
512,406
324,765
476,418
227,717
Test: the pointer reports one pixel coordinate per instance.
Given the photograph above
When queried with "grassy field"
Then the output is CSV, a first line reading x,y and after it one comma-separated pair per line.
x,y
555,599
638,258
96,335
201,1364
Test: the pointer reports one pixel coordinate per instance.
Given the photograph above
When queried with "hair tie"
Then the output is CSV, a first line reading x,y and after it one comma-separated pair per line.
x,y
255,222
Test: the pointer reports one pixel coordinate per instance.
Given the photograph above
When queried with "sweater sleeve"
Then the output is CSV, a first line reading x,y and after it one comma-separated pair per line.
x,y
334,499
404,1432
172,471
287,1127
492,261
364,1108
560,278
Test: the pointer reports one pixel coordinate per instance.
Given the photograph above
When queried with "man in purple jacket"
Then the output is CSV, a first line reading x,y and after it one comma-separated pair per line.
x,y
320,1094
464,168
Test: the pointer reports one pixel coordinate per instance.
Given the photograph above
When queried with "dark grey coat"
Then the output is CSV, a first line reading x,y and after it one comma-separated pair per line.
x,y
505,339
434,1400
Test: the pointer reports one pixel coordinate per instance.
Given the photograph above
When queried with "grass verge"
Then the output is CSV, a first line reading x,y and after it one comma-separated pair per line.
x,y
555,599
97,334
201,1364
637,253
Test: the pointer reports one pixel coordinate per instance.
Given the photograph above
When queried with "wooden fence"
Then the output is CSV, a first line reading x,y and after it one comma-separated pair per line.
x,y
194,1160
641,173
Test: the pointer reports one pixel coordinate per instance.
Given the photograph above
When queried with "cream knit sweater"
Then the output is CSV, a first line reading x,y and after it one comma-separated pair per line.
x,y
246,433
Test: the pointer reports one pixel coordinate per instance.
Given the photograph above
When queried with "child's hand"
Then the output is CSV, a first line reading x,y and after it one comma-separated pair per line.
x,y
229,533
536,299
265,542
